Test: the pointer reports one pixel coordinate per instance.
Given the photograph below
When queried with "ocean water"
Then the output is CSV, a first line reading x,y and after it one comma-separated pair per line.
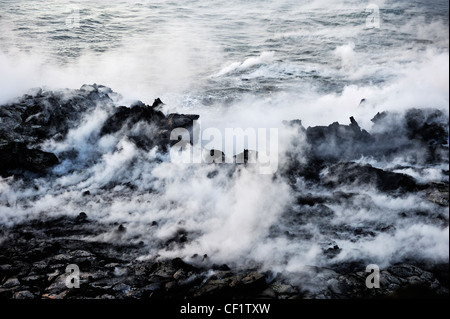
x,y
288,55
236,64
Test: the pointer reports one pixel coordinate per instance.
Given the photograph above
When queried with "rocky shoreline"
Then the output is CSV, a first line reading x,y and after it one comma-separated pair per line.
x,y
35,252
34,256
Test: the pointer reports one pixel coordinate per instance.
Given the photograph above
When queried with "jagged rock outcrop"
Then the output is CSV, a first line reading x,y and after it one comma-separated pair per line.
x,y
338,142
43,115
421,135
35,252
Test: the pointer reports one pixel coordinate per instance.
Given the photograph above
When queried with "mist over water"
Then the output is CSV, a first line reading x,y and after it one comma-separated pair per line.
x,y
236,64
203,55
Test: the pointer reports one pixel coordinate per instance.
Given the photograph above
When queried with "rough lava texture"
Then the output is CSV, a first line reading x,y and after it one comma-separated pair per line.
x,y
46,114
35,251
34,257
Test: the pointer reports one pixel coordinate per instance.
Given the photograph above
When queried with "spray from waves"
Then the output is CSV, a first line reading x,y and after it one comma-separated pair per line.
x,y
418,84
213,216
265,57
178,61
346,54
319,73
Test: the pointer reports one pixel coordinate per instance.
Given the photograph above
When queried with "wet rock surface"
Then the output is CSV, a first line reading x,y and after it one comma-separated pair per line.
x,y
35,252
420,134
16,155
42,115
34,257
353,173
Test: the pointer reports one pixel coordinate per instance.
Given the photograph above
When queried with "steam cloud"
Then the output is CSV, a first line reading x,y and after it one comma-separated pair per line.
x,y
232,213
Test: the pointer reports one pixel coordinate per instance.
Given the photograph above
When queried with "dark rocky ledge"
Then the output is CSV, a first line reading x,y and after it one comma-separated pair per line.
x,y
44,115
34,256
34,253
